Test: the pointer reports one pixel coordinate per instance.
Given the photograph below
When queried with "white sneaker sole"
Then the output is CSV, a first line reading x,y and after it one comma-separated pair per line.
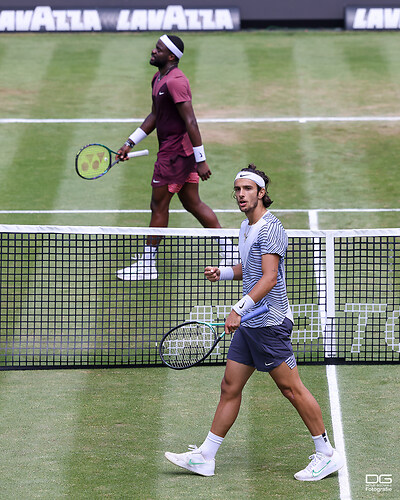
x,y
329,470
180,463
136,277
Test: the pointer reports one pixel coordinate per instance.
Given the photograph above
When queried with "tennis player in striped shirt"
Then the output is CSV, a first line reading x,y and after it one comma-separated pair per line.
x,y
262,343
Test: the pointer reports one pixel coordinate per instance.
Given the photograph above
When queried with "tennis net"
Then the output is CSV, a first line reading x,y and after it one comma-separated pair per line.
x,y
61,304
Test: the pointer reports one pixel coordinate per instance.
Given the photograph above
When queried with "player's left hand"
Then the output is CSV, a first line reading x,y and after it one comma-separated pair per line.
x,y
203,170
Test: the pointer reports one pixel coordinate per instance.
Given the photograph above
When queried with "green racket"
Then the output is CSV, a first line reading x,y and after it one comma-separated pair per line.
x,y
95,160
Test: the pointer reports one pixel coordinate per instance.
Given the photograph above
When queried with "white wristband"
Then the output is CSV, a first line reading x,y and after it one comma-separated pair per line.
x,y
243,305
138,135
199,154
225,273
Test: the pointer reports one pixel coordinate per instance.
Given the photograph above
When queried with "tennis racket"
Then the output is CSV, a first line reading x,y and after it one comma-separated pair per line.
x,y
192,342
94,160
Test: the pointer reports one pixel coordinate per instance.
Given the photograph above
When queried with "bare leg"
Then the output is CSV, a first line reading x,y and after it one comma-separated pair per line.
x,y
294,390
190,199
235,378
159,205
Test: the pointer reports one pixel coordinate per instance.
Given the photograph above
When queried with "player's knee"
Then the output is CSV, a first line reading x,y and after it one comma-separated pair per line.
x,y
228,389
224,386
191,206
192,203
295,392
158,207
288,392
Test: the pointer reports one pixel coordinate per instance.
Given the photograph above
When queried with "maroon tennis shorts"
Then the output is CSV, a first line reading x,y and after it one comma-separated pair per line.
x,y
173,170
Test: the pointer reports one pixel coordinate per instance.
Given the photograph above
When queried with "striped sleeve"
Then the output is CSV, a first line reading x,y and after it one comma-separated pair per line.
x,y
272,238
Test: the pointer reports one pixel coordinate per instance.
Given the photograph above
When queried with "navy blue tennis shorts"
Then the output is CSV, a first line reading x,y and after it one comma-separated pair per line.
x,y
264,348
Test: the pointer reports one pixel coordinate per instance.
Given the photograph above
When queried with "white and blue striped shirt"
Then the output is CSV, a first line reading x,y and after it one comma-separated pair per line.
x,y
266,236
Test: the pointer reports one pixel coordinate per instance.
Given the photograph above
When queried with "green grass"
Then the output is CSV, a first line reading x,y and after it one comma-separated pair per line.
x,y
264,74
102,433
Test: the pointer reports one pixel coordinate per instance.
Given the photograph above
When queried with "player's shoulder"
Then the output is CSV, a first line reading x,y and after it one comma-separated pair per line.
x,y
271,223
177,77
270,218
178,73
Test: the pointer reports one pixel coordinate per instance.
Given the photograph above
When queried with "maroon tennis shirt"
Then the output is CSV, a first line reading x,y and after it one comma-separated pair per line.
x,y
173,138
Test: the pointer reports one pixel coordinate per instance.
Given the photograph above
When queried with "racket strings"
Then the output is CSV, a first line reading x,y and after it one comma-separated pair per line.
x,y
93,161
188,344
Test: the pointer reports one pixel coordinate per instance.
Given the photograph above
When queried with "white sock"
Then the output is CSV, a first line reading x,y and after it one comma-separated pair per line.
x,y
322,444
150,252
210,446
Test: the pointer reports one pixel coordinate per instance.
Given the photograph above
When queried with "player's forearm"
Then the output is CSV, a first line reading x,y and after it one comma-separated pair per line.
x,y
262,287
141,132
199,153
194,133
237,272
149,123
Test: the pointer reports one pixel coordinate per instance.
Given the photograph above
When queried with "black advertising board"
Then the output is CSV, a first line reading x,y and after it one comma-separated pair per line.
x,y
192,15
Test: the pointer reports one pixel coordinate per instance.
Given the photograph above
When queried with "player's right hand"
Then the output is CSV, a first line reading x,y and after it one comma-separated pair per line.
x,y
122,153
232,322
212,273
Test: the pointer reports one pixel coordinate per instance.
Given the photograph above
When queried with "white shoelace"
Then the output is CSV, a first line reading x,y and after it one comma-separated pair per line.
x,y
315,458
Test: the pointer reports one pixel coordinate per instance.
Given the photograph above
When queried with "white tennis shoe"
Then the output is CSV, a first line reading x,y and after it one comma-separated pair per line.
x,y
142,269
192,460
320,466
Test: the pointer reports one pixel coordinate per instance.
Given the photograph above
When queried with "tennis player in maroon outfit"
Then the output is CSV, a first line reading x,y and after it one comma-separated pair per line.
x,y
181,159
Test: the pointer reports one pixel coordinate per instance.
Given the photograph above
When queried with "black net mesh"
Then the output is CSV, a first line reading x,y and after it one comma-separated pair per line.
x,y
62,305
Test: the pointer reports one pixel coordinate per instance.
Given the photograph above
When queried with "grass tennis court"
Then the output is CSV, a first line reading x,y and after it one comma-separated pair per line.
x,y
102,433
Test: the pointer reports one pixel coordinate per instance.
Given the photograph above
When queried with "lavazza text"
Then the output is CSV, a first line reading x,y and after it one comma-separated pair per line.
x,y
173,17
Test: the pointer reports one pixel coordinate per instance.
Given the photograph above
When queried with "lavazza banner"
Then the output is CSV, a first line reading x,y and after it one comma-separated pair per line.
x,y
173,17
373,18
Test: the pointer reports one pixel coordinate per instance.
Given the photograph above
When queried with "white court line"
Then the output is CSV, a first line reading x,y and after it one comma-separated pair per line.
x,y
313,214
338,436
334,401
282,119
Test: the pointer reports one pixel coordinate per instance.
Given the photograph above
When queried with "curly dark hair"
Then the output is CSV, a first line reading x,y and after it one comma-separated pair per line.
x,y
252,168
